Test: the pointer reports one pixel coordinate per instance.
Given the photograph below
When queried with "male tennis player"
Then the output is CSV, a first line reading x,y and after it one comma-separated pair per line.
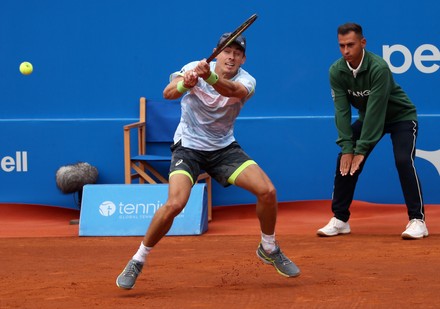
x,y
363,80
213,95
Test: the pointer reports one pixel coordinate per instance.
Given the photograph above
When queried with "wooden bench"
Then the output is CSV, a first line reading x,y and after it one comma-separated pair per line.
x,y
147,153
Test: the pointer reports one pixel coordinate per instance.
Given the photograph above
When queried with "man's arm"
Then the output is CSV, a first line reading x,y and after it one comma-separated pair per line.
x,y
223,86
170,92
374,120
342,115
174,91
230,88
349,163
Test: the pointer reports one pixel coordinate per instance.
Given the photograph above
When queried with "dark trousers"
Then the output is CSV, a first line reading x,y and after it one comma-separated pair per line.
x,y
403,136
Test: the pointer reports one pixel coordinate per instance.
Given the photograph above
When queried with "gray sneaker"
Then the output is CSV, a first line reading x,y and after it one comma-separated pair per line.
x,y
282,264
127,278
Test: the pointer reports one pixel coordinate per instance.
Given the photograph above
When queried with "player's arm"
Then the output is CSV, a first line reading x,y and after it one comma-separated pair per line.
x,y
228,88
223,86
180,84
170,92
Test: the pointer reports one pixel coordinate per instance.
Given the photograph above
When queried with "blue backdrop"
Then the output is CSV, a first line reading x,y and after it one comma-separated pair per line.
x,y
94,59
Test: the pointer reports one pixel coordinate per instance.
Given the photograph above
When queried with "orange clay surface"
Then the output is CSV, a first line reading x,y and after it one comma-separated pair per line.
x,y
44,264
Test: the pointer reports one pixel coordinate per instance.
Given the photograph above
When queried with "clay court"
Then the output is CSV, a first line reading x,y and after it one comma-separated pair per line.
x,y
44,264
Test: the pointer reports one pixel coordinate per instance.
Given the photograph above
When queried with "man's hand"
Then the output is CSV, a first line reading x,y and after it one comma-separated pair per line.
x,y
190,79
350,163
345,163
355,163
203,69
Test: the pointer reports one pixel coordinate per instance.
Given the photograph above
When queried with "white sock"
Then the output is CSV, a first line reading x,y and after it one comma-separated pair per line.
x,y
142,253
268,242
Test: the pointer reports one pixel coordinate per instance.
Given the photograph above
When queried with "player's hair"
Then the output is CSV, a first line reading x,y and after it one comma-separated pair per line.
x,y
349,27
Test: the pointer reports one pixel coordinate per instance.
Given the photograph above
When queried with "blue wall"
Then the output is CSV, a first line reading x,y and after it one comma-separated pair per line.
x,y
94,59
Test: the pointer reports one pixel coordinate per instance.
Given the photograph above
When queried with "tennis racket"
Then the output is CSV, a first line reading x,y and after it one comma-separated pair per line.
x,y
232,37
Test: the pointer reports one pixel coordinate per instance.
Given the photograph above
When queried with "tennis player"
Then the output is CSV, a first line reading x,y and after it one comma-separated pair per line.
x,y
213,95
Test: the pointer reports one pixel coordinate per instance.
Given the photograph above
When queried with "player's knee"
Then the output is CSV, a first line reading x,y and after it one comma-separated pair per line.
x,y
173,208
268,195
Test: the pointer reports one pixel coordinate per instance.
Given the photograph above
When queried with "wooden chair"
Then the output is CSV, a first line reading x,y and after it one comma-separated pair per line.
x,y
148,160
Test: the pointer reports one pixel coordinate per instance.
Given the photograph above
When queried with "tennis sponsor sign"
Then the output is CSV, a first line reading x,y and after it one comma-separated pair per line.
x,y
426,58
127,210
15,163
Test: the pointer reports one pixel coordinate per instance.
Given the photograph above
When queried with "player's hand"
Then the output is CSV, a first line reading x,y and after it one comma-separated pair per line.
x,y
190,79
203,69
345,163
356,163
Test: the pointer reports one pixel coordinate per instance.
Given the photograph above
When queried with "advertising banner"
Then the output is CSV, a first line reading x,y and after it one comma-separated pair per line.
x,y
127,210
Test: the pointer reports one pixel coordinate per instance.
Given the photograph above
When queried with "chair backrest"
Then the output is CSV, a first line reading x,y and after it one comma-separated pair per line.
x,y
162,118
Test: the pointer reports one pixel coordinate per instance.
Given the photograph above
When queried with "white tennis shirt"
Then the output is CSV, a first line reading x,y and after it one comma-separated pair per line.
x,y
208,118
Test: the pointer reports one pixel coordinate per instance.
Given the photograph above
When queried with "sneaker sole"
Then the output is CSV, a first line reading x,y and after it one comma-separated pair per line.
x,y
410,237
273,264
321,233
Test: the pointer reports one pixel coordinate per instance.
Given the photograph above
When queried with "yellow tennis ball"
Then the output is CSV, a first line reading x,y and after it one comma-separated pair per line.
x,y
26,68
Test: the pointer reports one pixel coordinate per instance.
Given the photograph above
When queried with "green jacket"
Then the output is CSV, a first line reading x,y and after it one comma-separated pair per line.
x,y
376,96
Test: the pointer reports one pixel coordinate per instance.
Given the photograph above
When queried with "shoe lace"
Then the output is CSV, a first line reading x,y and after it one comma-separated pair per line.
x,y
132,270
283,259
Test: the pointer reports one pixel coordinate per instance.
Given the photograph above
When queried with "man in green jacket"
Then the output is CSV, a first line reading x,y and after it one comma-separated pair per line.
x,y
363,80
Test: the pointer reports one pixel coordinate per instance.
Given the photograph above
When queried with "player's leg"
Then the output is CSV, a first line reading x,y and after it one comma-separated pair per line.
x,y
404,136
232,166
178,194
253,179
184,169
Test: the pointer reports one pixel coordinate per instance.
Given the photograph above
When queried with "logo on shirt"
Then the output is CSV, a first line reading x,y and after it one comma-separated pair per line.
x,y
359,94
178,162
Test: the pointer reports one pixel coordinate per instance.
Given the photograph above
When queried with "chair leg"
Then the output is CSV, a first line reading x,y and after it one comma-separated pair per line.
x,y
208,181
209,187
143,176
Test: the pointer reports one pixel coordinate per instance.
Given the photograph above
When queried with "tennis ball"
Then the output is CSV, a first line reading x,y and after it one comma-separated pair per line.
x,y
26,68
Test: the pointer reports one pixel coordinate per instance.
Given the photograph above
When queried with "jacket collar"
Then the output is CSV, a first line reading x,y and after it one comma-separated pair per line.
x,y
356,71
